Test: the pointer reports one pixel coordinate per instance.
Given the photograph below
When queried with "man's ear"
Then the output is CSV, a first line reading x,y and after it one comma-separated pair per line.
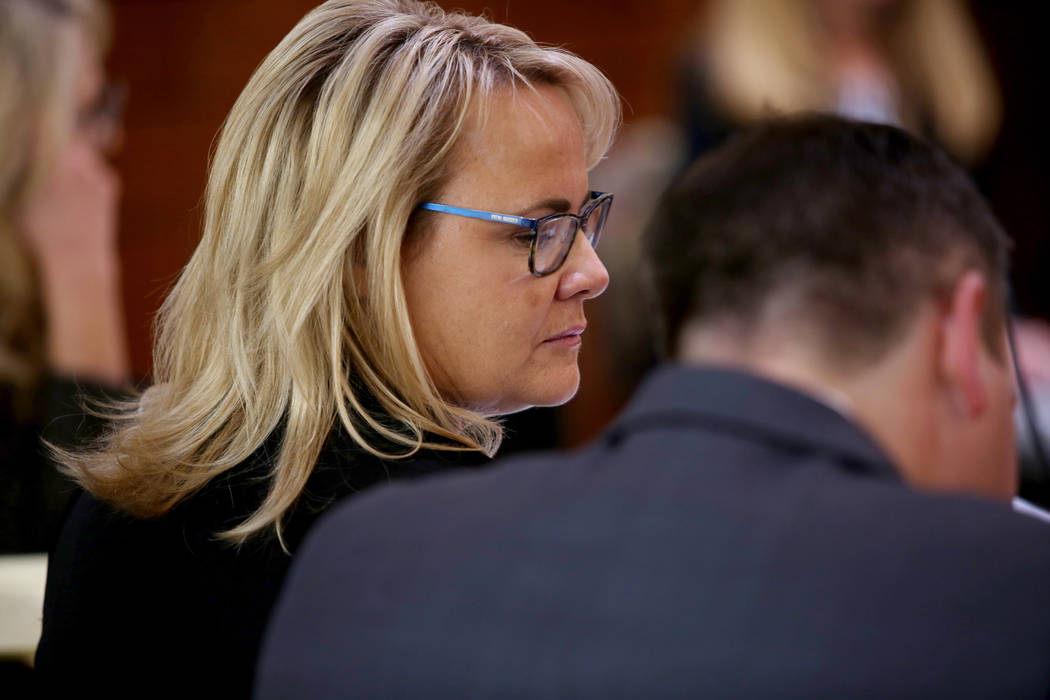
x,y
961,347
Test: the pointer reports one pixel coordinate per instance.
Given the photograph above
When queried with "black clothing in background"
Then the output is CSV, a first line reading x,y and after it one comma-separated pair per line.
x,y
162,608
33,493
729,537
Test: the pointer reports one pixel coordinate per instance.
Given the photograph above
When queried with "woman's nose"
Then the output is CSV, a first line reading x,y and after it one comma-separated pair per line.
x,y
583,274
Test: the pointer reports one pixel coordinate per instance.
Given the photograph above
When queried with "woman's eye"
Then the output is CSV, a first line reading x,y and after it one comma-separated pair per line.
x,y
523,237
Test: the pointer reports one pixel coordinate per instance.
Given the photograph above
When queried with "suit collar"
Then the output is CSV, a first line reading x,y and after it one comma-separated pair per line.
x,y
733,400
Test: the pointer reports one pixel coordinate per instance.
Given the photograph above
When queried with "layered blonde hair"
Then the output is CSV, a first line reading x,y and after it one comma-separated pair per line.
x,y
765,56
291,313
39,64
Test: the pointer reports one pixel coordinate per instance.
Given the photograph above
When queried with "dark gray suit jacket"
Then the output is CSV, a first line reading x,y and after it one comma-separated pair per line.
x,y
729,537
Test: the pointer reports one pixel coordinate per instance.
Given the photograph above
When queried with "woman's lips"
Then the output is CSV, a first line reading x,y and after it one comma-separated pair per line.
x,y
569,338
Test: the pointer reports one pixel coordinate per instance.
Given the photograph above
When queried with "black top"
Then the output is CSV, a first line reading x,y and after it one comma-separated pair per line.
x,y
158,608
729,537
33,493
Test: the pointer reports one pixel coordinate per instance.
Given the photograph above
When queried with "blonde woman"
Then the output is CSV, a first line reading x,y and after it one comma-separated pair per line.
x,y
398,244
917,64
61,323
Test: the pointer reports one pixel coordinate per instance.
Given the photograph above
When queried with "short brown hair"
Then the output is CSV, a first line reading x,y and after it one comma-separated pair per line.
x,y
859,222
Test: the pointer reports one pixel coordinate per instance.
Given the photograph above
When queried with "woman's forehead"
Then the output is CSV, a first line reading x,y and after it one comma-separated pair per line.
x,y
528,140
539,114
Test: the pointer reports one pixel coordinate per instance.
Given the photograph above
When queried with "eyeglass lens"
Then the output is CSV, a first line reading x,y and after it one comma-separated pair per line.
x,y
553,240
596,221
555,237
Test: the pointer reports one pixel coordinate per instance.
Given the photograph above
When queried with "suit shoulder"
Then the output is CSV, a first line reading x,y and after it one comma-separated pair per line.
x,y
941,534
450,497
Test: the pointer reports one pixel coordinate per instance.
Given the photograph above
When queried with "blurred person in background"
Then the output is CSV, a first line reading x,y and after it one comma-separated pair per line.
x,y
398,244
61,321
917,64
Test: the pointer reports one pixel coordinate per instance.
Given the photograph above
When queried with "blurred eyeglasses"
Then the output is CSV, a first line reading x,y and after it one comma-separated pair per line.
x,y
102,118
552,235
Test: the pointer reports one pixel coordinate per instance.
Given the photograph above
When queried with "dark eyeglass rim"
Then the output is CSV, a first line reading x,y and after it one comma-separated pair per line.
x,y
595,199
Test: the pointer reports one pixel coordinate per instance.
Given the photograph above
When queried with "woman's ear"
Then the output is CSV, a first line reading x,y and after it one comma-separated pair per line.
x,y
962,344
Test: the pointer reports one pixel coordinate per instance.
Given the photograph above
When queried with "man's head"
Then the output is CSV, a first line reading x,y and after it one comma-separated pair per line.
x,y
852,258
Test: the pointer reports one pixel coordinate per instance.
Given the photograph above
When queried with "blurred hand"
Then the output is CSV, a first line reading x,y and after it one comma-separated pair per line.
x,y
70,222
70,227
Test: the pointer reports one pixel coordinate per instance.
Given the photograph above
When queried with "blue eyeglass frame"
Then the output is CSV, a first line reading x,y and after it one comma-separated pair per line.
x,y
596,198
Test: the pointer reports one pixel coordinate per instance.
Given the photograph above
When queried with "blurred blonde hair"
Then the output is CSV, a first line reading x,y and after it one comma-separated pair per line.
x,y
39,64
291,313
765,56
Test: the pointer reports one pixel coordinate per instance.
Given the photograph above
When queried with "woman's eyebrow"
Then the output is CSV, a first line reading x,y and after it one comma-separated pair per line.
x,y
554,205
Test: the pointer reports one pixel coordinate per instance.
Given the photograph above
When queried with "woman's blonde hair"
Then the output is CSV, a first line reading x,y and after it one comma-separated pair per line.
x,y
765,55
291,313
39,62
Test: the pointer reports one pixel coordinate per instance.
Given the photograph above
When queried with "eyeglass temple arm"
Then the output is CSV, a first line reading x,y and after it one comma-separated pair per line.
x,y
477,214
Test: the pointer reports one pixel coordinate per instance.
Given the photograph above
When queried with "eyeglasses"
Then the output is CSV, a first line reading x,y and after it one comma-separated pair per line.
x,y
552,235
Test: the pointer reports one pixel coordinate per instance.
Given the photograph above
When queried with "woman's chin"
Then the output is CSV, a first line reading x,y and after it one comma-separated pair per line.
x,y
554,390
558,392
